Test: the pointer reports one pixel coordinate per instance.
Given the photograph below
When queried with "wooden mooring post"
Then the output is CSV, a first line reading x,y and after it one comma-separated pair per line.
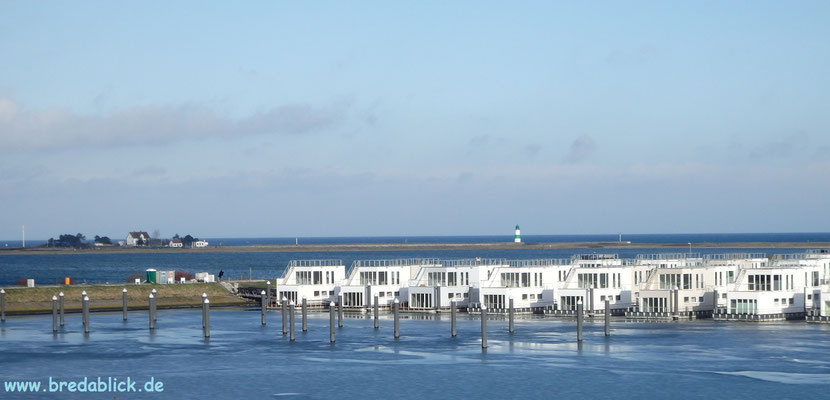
x,y
483,326
263,298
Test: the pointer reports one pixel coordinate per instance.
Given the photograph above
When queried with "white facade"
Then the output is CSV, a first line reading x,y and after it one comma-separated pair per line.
x,y
317,280
133,238
200,243
681,283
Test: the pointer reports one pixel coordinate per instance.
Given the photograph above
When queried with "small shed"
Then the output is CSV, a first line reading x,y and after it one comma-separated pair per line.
x,y
151,275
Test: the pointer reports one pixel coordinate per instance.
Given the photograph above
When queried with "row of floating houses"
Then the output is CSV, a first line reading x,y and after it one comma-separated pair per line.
x,y
735,286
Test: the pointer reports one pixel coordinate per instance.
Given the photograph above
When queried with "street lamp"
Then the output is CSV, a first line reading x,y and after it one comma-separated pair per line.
x,y
690,249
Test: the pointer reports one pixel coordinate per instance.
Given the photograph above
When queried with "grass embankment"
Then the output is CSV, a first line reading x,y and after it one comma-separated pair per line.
x,y
108,297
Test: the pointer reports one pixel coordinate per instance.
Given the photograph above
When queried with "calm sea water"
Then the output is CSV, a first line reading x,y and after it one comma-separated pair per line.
x,y
635,238
101,268
541,360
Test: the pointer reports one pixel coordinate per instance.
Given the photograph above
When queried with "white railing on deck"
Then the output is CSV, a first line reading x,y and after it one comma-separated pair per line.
x,y
541,262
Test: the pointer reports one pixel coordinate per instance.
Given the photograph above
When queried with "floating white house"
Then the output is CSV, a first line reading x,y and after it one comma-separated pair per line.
x,y
740,286
386,279
316,280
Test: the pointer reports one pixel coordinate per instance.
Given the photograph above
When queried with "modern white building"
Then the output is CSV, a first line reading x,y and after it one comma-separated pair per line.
x,y
734,286
317,280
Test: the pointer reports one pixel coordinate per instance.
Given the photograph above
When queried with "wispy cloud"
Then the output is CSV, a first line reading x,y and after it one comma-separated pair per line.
x,y
581,148
781,148
57,128
532,149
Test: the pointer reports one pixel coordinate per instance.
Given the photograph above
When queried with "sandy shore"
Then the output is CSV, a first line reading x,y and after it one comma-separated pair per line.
x,y
420,247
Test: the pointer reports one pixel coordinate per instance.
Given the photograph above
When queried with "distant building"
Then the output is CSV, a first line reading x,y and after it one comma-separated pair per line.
x,y
133,238
176,243
200,243
517,237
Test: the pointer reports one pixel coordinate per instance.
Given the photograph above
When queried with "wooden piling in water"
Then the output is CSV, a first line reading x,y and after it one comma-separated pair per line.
x,y
305,314
85,308
263,299
376,307
483,326
60,306
453,312
152,313
340,312
510,312
282,306
396,305
124,303
579,316
331,322
83,296
206,319
607,317
155,295
54,313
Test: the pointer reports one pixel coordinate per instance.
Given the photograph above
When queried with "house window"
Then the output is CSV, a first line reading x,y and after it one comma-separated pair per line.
x,y
510,279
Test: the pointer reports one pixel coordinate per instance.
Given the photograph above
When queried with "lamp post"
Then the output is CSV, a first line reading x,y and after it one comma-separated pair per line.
x,y
690,249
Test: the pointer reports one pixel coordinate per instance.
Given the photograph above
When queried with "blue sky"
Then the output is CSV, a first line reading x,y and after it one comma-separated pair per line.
x,y
379,118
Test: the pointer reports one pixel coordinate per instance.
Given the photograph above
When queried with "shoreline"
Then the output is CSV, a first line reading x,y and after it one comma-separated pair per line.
x,y
107,297
307,248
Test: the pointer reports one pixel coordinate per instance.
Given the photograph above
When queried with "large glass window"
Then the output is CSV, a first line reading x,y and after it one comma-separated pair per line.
x,y
654,304
669,281
437,278
510,279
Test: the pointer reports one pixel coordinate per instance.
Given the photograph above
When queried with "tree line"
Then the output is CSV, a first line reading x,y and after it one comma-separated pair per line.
x,y
78,240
